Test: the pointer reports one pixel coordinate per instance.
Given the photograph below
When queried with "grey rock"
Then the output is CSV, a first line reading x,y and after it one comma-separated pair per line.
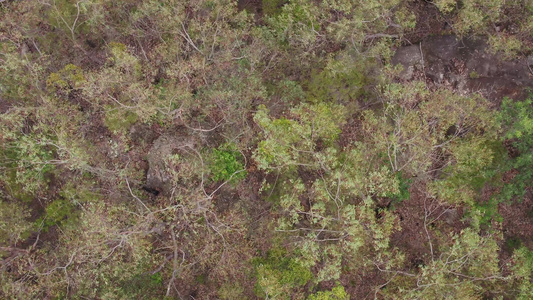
x,y
411,59
451,216
158,177
468,66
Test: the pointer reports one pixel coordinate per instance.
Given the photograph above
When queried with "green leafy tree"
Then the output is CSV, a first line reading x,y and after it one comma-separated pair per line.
x,y
292,142
523,264
517,120
279,276
466,267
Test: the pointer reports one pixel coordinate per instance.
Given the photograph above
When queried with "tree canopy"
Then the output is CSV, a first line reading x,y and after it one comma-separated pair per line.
x,y
217,149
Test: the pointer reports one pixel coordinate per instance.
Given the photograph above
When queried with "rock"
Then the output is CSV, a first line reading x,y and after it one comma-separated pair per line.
x,y
158,178
451,216
411,59
467,67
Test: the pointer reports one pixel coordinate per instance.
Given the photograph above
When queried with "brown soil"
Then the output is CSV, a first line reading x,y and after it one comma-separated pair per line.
x,y
362,285
429,21
351,131
416,215
254,7
518,222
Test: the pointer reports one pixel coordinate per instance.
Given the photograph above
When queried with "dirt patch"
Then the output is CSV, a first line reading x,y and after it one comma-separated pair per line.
x,y
225,199
143,134
254,7
4,105
429,21
351,131
518,222
363,284
423,219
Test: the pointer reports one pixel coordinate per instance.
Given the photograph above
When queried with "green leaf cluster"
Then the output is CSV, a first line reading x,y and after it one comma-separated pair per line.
x,y
226,164
279,275
517,120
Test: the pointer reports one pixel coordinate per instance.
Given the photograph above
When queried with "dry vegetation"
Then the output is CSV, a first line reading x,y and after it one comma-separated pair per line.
x,y
259,150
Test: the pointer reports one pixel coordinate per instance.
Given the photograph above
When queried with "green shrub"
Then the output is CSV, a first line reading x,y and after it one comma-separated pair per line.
x,y
70,77
517,121
143,284
279,275
337,293
403,188
488,211
341,81
56,213
118,120
474,75
226,164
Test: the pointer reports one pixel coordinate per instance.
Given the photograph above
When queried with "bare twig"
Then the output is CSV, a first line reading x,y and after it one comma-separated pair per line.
x,y
426,214
137,198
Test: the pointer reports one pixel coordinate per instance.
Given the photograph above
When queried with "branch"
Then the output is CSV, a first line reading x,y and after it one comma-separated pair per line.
x,y
379,35
137,198
186,36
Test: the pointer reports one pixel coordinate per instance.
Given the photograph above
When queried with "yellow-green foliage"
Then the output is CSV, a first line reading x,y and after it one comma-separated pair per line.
x,y
56,213
34,162
472,16
341,81
68,78
65,14
229,291
291,142
118,120
279,276
14,226
337,293
377,180
20,75
523,273
226,164
469,256
446,6
473,160
473,75
415,123
124,61
354,28
509,46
